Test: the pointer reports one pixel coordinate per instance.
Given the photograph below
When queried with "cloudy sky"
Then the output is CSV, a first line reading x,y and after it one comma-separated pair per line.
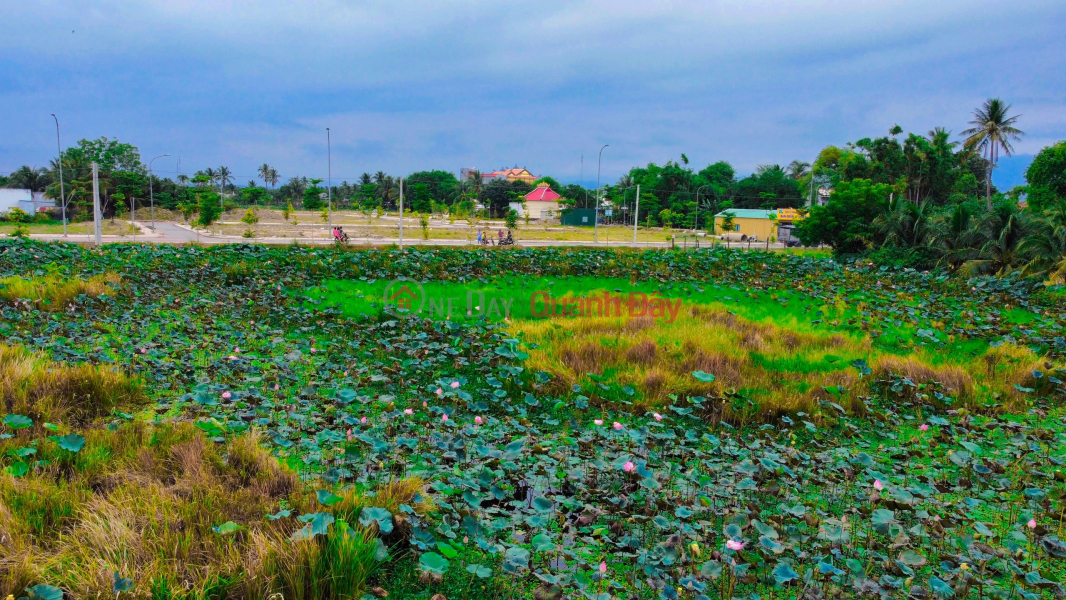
x,y
417,84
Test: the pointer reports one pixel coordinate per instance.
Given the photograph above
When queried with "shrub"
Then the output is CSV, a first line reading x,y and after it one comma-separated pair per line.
x,y
17,215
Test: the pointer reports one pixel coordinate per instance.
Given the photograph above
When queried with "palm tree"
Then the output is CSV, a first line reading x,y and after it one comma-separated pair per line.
x,y
224,175
30,178
1046,246
905,224
798,169
956,236
1004,229
211,175
992,131
475,179
264,174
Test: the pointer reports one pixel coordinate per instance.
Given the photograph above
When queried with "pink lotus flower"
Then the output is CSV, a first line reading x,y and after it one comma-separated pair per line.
x,y
734,545
465,539
144,350
603,567
629,466
455,384
478,420
598,421
923,427
657,416
444,418
878,485
408,411
231,357
1031,524
349,435
237,350
617,426
226,395
276,387
313,350
440,392
424,405
363,420
346,373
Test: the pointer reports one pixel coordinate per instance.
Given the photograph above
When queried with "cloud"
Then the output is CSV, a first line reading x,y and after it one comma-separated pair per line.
x,y
482,84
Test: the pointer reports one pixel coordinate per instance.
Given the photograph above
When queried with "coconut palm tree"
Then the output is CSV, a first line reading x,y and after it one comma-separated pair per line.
x,y
798,169
1004,229
224,177
956,236
274,177
992,131
264,174
905,224
211,175
1046,246
30,178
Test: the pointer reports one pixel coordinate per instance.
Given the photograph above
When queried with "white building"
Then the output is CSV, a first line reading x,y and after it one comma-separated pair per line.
x,y
30,202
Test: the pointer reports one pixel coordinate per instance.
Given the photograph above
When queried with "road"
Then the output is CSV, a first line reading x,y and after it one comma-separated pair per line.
x,y
167,232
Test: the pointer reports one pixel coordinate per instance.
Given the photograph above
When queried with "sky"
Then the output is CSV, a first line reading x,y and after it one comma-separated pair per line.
x,y
419,85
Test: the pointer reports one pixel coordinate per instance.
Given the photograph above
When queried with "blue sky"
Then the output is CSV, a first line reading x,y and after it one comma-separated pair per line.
x,y
415,85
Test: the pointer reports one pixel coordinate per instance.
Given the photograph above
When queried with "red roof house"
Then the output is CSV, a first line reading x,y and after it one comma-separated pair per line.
x,y
543,193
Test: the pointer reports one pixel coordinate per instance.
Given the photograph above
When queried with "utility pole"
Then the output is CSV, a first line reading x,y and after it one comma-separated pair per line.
x,y
62,192
96,204
596,214
151,194
329,181
401,213
636,215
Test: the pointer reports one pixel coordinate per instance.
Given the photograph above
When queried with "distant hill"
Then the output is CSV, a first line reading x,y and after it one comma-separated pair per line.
x,y
1011,171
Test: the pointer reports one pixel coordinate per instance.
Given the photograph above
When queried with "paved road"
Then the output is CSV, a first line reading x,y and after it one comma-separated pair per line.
x,y
167,232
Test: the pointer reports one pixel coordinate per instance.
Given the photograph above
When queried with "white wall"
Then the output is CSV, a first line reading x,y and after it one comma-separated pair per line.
x,y
11,198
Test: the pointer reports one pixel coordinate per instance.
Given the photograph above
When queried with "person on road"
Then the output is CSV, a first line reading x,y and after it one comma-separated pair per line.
x,y
479,238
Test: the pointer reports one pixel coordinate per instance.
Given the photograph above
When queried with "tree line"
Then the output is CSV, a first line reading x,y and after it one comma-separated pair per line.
x,y
920,200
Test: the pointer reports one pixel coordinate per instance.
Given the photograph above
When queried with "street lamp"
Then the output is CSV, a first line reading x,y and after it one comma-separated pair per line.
x,y
151,194
596,215
329,182
62,192
697,225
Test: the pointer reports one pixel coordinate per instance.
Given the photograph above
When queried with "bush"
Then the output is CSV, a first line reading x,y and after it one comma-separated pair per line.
x,y
17,215
512,219
922,257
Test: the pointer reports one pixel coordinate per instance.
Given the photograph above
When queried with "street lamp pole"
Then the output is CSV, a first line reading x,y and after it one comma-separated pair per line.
x,y
62,191
329,181
596,214
697,225
151,193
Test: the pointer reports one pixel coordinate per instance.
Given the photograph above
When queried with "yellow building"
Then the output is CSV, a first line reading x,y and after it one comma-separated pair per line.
x,y
515,174
760,224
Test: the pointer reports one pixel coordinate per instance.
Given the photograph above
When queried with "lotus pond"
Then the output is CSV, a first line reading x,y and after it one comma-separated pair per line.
x,y
254,422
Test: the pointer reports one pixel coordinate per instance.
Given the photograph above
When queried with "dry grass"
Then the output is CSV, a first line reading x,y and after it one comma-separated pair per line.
x,y
143,501
781,367
55,293
72,394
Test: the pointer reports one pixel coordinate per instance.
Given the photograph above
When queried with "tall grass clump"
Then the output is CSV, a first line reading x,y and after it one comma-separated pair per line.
x,y
49,391
54,292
